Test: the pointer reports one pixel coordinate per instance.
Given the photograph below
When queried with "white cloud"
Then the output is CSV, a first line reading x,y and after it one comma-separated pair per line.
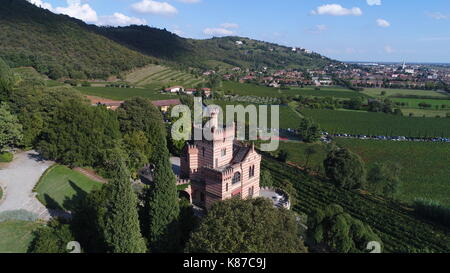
x,y
41,4
218,32
229,25
374,2
78,10
154,7
336,10
388,49
119,19
383,23
437,15
86,13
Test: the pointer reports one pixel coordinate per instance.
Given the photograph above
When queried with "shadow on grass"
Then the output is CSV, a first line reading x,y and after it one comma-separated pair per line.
x,y
80,195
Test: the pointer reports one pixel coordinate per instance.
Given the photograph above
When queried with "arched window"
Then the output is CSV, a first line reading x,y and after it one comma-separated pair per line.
x,y
251,171
236,178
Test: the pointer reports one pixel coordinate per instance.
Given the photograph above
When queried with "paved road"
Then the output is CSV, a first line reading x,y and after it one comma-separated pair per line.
x,y
175,165
18,179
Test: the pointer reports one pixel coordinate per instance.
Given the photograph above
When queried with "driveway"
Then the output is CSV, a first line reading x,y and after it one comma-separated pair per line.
x,y
18,179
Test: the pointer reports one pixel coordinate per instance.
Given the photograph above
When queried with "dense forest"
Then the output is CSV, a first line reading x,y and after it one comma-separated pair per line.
x,y
208,53
59,46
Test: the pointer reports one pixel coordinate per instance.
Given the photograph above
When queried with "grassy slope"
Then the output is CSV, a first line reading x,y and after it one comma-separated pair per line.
x,y
378,124
60,185
159,76
16,236
397,226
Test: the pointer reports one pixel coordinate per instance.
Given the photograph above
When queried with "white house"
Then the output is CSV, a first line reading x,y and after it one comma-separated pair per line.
x,y
174,89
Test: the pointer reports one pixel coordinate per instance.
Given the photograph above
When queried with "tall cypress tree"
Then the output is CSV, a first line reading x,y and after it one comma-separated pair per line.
x,y
161,205
119,222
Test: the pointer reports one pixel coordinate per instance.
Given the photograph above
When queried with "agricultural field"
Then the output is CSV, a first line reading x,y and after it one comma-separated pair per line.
x,y
335,92
424,165
376,92
296,154
424,113
60,187
114,93
414,103
289,118
16,236
399,229
376,124
247,89
158,75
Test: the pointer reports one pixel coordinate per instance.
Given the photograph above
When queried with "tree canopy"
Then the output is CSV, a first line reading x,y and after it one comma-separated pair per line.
x,y
79,134
345,168
10,128
384,179
161,205
247,226
333,230
308,131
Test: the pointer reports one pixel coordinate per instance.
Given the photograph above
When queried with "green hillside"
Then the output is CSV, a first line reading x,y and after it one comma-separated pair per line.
x,y
59,46
63,47
211,53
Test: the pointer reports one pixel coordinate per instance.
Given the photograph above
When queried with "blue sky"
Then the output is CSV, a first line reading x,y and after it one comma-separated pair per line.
x,y
347,30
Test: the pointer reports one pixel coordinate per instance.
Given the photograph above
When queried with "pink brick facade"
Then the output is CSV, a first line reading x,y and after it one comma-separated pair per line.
x,y
220,169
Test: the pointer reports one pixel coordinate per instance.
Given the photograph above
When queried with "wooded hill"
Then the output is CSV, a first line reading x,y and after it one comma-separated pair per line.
x,y
59,46
210,53
63,47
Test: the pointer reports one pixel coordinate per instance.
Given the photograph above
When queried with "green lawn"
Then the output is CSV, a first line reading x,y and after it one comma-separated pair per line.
x,y
425,166
16,236
367,123
125,93
61,187
376,92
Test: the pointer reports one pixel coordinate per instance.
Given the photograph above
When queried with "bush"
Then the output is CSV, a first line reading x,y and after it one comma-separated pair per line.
x,y
6,157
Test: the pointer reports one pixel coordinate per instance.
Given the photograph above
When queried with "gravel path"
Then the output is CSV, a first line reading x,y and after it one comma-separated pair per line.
x,y
18,179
